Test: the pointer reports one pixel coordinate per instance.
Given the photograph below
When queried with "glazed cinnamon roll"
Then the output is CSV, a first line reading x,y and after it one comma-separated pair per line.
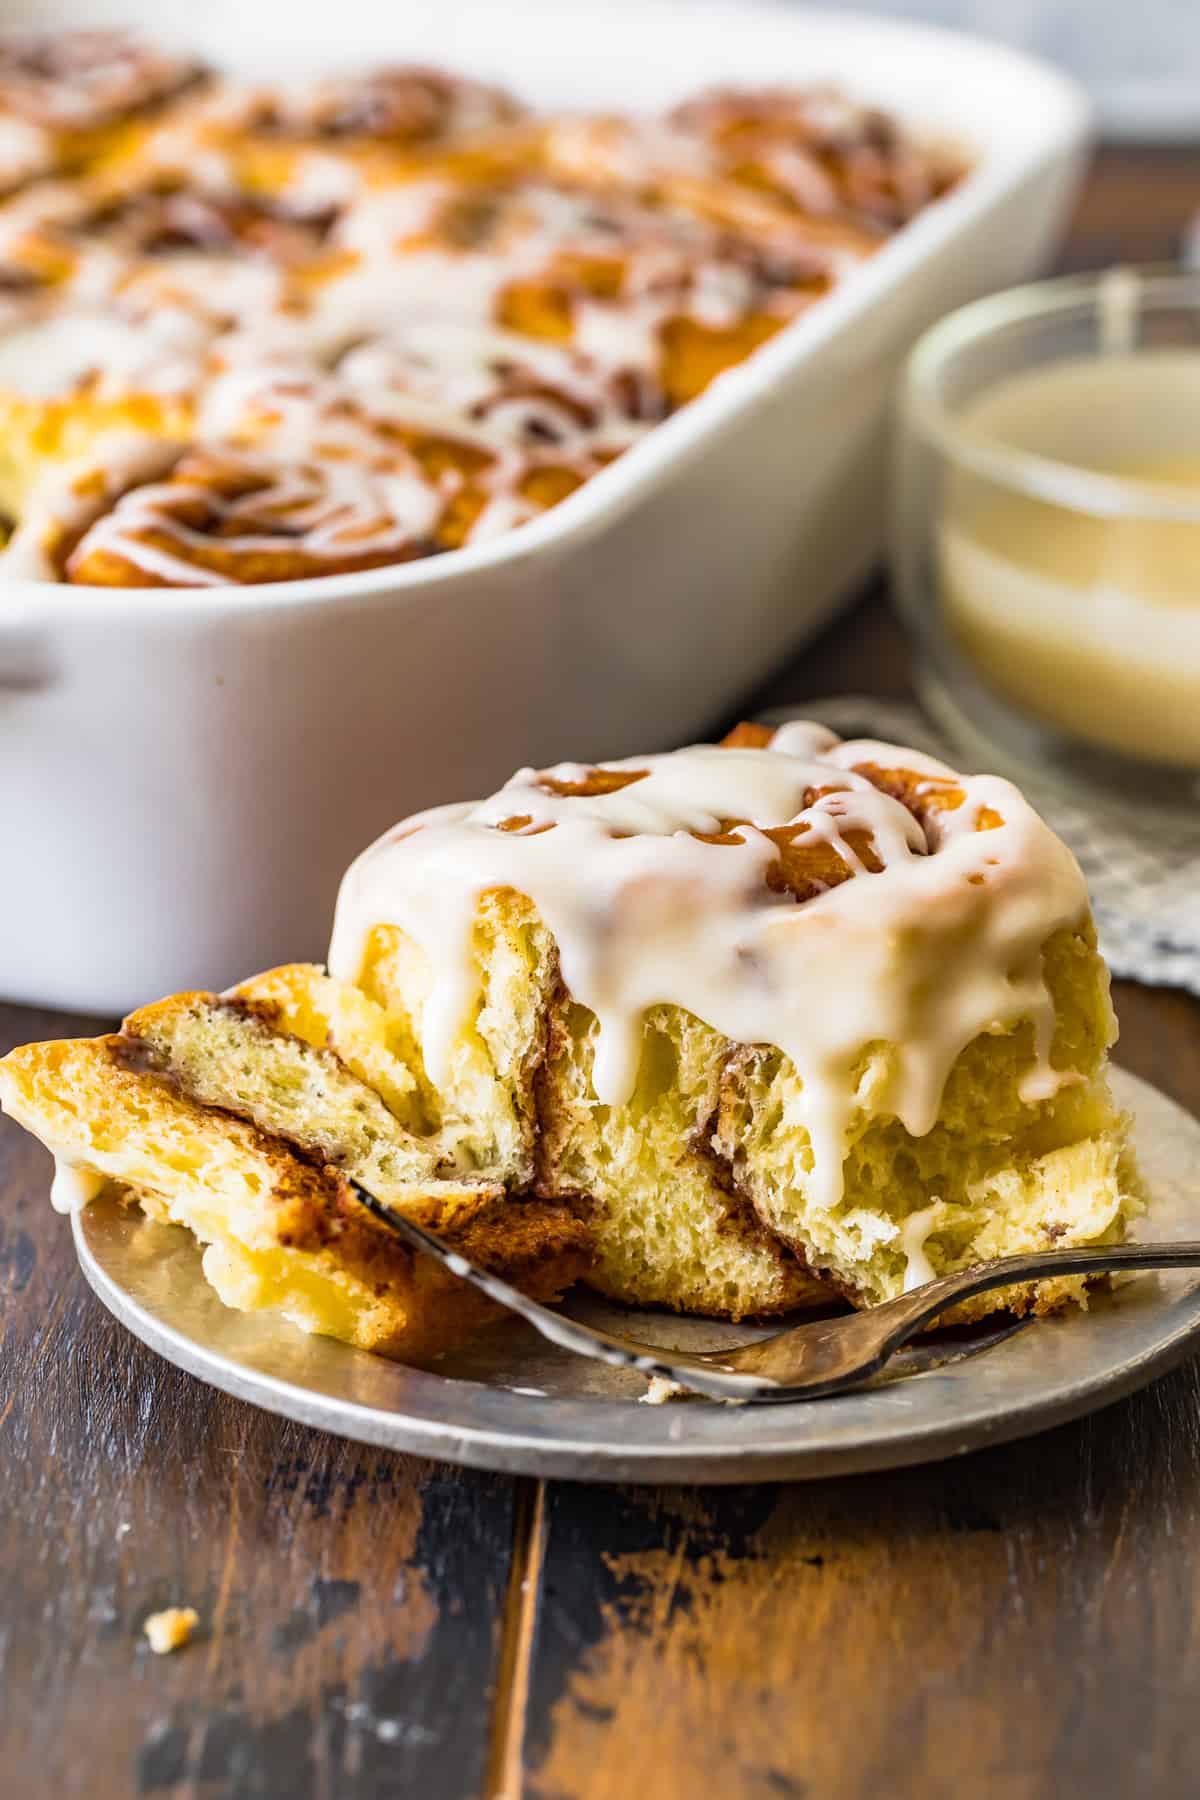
x,y
490,472
322,142
793,1008
404,105
759,1024
218,518
820,153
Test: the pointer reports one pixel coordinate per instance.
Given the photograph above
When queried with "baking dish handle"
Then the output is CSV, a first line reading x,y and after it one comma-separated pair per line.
x,y
26,662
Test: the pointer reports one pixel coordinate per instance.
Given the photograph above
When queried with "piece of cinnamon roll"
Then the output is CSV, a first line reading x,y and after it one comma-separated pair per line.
x,y
759,1024
322,1093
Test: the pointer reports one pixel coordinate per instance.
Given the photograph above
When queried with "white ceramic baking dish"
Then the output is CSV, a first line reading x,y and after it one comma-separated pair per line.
x,y
185,774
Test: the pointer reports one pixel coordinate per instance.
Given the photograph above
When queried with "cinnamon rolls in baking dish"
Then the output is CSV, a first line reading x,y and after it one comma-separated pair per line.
x,y
407,309
732,1030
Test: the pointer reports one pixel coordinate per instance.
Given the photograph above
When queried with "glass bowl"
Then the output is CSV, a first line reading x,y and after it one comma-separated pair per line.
x,y
1046,525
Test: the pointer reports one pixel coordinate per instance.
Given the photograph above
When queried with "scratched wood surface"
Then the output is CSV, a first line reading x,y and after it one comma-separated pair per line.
x,y
350,1600
1023,1623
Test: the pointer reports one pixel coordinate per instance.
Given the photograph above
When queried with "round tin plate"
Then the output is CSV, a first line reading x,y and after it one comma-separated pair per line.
x,y
512,1402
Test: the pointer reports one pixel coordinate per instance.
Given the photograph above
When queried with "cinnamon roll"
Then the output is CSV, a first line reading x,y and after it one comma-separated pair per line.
x,y
406,104
819,152
729,1030
272,476
324,141
212,518
511,457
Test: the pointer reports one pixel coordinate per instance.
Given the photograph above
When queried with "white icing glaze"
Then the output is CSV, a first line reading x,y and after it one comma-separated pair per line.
x,y
54,355
941,945
25,151
73,1188
463,373
332,511
254,232
67,504
915,1233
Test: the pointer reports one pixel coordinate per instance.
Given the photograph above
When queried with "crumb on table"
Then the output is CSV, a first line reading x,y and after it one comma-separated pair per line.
x,y
171,1629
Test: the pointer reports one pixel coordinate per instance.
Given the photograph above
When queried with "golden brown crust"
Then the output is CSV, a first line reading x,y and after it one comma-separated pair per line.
x,y
748,735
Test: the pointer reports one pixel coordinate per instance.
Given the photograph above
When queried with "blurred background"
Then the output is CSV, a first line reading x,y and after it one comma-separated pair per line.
x,y
1141,62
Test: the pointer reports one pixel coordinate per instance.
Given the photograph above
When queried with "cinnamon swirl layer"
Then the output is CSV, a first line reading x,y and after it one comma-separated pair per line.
x,y
223,518
368,494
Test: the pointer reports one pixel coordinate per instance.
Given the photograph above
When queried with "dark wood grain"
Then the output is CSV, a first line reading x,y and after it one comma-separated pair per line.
x,y
1019,1625
1137,206
351,1601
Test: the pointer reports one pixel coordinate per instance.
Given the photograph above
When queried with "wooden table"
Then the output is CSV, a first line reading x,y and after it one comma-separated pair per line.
x,y
1025,1622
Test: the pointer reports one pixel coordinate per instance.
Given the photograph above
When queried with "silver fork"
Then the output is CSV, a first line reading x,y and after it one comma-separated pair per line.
x,y
803,1362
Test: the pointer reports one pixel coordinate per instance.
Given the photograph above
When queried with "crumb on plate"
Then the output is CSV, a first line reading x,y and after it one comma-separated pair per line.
x,y
660,1391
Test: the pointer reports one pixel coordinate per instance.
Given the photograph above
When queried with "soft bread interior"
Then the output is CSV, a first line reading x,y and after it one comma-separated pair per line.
x,y
670,1229
996,1176
701,1181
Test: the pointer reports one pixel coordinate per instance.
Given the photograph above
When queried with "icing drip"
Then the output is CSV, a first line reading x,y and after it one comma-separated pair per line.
x,y
25,151
915,1233
72,1189
932,940
55,356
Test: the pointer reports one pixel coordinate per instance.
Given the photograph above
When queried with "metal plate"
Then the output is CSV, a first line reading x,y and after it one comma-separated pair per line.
x,y
511,1402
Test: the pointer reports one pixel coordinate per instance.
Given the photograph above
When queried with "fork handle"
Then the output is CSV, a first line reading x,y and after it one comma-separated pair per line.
x,y
904,1317
813,1359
